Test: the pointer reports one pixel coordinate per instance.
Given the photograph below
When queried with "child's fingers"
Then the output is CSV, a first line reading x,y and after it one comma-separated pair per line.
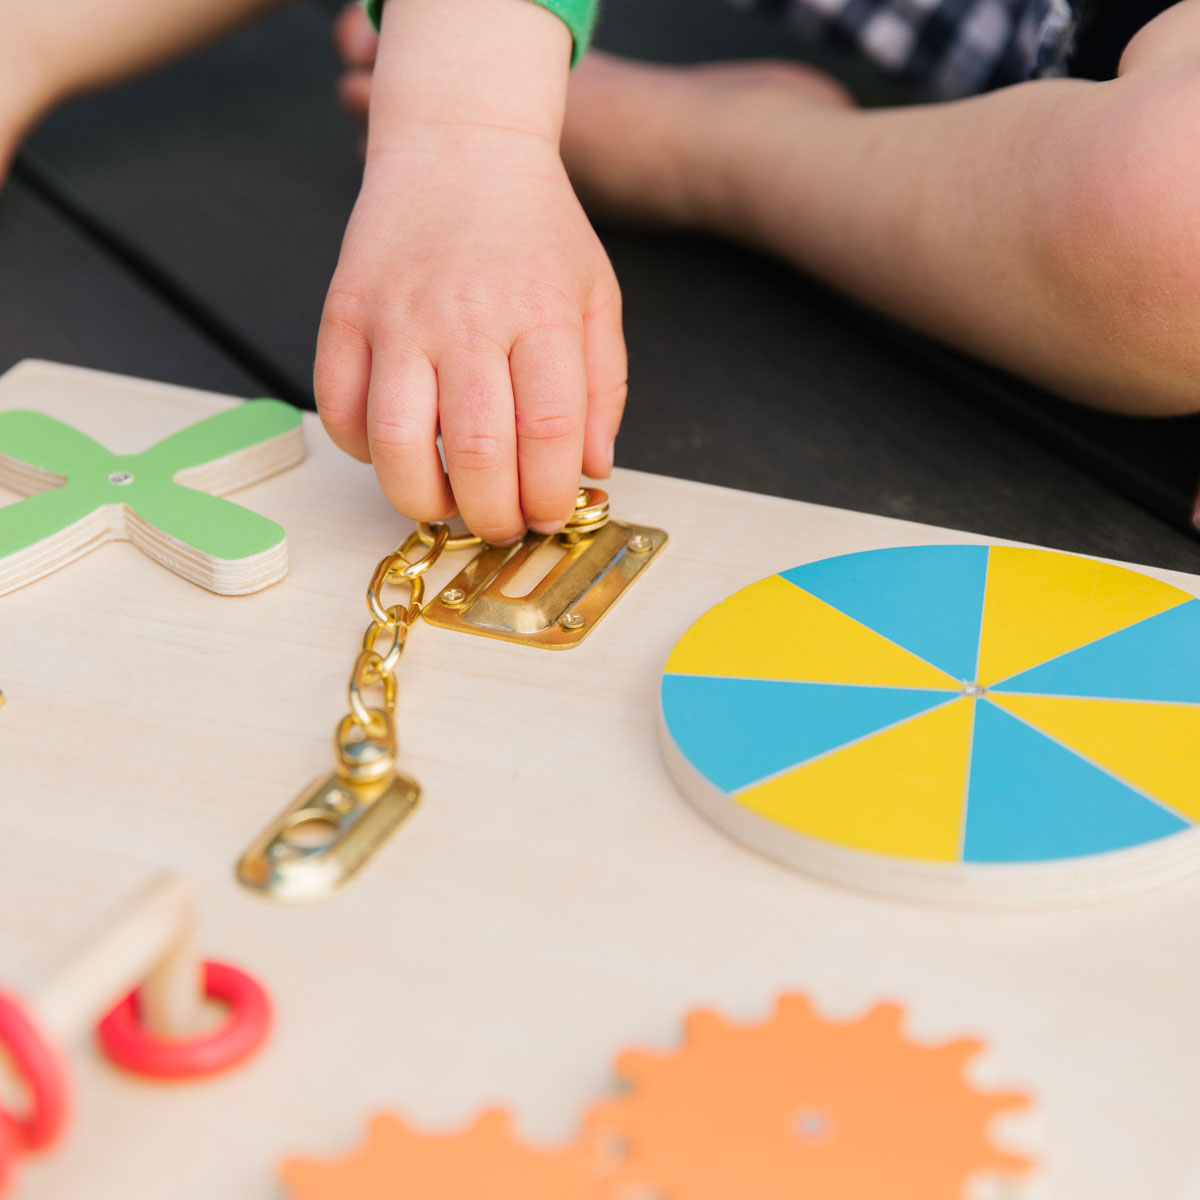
x,y
607,380
475,407
355,40
402,413
550,392
354,92
341,376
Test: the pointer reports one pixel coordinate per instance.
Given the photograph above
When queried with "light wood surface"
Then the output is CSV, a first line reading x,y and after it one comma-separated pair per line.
x,y
553,901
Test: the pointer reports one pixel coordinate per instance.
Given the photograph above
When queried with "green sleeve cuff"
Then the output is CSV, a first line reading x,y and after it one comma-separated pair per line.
x,y
579,16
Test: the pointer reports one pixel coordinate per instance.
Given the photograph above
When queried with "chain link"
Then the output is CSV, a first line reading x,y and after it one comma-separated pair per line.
x,y
426,535
366,736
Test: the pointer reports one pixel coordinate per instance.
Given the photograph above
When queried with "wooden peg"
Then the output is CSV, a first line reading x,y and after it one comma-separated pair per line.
x,y
150,945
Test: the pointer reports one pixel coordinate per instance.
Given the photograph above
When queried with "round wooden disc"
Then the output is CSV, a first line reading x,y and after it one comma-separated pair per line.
x,y
987,726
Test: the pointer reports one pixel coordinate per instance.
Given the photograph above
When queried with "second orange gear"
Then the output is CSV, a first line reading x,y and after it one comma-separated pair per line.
x,y
804,1106
483,1162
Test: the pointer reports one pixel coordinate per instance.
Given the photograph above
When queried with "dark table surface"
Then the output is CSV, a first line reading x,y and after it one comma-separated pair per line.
x,y
184,227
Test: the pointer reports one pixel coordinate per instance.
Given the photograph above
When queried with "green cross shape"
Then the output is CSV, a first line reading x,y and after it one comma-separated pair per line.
x,y
81,494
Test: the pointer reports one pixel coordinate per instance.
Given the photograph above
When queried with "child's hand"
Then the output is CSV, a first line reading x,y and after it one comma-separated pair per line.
x,y
356,44
9,141
472,297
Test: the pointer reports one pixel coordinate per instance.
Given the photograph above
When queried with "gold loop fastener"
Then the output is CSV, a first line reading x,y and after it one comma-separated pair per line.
x,y
366,753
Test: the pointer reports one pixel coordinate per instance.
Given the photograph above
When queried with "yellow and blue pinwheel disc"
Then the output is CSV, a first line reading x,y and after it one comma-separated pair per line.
x,y
952,723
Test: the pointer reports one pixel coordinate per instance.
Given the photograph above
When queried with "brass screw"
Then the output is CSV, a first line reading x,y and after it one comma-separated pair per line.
x,y
639,543
573,621
453,597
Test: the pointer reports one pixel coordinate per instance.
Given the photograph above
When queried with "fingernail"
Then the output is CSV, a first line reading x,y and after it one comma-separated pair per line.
x,y
512,541
546,526
612,454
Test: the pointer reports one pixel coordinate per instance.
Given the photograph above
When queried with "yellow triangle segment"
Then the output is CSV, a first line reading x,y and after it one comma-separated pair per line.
x,y
1153,747
775,630
1039,604
901,792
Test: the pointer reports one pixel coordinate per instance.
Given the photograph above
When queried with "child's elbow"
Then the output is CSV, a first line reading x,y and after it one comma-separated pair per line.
x,y
1126,252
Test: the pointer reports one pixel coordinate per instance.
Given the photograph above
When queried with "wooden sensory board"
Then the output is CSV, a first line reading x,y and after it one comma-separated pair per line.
x,y
554,900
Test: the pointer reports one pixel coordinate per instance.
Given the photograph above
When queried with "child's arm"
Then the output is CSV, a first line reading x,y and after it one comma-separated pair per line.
x,y
472,297
52,49
1052,228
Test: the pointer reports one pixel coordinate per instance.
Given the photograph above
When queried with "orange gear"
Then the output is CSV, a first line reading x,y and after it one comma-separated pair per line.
x,y
803,1106
483,1162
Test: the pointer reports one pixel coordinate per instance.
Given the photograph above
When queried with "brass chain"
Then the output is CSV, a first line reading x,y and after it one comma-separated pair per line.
x,y
366,737
365,741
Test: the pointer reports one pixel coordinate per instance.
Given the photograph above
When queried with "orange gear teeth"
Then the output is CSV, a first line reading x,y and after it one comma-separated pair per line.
x,y
483,1162
799,1106
803,1106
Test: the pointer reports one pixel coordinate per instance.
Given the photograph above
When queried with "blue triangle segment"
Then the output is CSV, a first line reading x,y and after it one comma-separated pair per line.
x,y
928,599
1030,799
1156,659
739,731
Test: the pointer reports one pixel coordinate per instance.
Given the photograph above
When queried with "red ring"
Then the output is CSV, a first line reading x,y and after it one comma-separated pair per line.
x,y
10,1151
130,1047
44,1072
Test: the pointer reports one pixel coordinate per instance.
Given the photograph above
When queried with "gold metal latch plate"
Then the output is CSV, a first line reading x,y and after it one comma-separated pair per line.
x,y
328,832
565,605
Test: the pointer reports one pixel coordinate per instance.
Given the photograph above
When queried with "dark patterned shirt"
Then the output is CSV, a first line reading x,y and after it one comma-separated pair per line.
x,y
953,48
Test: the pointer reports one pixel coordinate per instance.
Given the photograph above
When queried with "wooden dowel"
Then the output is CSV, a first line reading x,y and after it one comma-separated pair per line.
x,y
147,944
172,995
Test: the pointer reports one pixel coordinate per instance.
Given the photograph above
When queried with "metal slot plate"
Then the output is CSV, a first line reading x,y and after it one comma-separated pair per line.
x,y
345,824
568,603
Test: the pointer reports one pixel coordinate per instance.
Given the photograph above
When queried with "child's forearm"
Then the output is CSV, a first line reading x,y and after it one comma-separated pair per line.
x,y
498,65
51,50
1052,228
